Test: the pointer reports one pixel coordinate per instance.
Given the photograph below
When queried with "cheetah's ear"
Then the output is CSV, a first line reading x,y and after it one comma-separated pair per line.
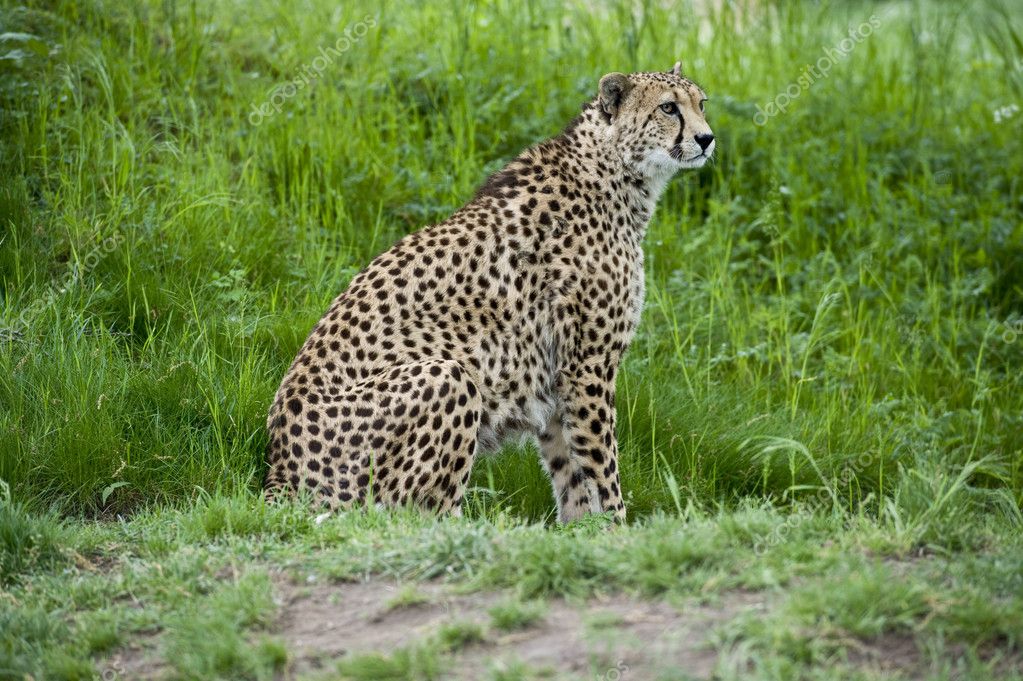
x,y
613,89
676,70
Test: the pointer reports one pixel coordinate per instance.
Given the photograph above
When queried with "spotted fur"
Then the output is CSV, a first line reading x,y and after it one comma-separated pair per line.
x,y
510,317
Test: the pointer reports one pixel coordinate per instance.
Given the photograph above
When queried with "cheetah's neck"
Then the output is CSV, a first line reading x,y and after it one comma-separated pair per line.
x,y
586,164
589,141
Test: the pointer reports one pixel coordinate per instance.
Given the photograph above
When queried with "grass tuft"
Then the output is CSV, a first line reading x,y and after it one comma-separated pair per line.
x,y
453,636
419,663
210,639
28,541
513,613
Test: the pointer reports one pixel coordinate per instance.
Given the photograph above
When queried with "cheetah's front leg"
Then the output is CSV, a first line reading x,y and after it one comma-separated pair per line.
x,y
580,450
573,499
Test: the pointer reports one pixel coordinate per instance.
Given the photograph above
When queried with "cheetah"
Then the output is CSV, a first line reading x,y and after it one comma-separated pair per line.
x,y
508,319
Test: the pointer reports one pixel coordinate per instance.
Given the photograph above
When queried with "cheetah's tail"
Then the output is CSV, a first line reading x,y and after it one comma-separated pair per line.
x,y
276,489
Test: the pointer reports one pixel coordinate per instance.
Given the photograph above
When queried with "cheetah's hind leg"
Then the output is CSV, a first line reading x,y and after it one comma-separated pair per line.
x,y
406,435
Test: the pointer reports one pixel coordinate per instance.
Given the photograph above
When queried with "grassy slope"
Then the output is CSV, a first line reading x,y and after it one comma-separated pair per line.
x,y
834,320
845,278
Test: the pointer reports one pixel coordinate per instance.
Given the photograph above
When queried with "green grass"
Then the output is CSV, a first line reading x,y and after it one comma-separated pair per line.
x,y
406,664
457,635
516,671
27,541
514,613
824,399
409,596
229,611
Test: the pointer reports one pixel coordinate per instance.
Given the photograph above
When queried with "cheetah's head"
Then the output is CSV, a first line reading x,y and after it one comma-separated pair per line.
x,y
656,121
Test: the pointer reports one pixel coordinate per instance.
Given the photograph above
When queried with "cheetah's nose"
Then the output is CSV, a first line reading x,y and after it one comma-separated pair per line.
x,y
704,140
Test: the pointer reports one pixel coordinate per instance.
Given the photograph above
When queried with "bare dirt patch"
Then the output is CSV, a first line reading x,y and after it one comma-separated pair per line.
x,y
611,638
137,660
605,638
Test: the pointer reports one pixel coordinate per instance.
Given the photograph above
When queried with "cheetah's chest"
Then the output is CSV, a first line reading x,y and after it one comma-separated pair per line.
x,y
584,306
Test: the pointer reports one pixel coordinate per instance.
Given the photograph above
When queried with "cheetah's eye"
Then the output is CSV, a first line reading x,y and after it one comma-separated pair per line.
x,y
701,104
670,108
